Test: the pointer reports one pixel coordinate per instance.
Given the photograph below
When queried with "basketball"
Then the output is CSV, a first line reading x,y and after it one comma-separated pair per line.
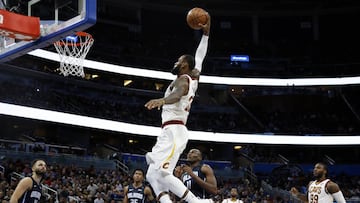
x,y
196,16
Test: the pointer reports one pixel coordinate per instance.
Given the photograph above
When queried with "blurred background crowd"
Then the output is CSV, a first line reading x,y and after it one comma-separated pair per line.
x,y
283,39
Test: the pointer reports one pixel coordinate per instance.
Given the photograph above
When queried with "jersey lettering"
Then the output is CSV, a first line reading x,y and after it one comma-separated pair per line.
x,y
35,194
136,195
317,192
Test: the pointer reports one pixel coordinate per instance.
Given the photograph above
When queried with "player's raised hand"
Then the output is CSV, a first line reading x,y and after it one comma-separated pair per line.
x,y
206,27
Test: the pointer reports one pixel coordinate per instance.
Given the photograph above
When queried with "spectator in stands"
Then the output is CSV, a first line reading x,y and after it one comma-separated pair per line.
x,y
99,198
114,194
92,188
2,195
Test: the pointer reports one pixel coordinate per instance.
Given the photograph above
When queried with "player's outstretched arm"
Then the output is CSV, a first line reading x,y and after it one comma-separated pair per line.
x,y
203,45
335,191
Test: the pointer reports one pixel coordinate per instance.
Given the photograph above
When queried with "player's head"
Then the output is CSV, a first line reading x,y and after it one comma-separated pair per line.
x,y
320,170
233,192
138,175
38,167
190,61
184,64
194,155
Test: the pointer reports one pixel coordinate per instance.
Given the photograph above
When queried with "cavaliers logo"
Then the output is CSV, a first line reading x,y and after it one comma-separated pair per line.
x,y
166,165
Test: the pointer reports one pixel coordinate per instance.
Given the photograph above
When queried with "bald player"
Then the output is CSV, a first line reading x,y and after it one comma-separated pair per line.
x,y
322,189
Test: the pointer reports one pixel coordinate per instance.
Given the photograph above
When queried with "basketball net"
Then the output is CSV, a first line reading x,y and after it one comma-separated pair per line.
x,y
72,51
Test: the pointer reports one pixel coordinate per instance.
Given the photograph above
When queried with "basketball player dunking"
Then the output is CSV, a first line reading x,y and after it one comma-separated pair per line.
x,y
137,192
322,190
29,189
174,136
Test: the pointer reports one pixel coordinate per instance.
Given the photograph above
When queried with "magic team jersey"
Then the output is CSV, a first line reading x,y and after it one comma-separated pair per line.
x,y
193,186
179,110
136,195
317,192
33,195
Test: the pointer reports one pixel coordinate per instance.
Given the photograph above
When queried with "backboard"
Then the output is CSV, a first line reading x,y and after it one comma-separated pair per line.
x,y
58,19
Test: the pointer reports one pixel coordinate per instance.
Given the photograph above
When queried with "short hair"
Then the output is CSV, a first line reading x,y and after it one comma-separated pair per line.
x,y
325,167
138,169
200,153
190,60
34,162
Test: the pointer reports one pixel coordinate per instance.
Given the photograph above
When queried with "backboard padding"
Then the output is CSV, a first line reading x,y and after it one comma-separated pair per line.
x,y
66,20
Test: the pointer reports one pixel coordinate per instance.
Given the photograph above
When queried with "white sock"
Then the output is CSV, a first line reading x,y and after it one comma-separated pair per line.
x,y
165,199
190,197
178,188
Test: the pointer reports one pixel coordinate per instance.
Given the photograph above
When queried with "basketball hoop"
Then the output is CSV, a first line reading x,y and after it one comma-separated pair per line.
x,y
72,51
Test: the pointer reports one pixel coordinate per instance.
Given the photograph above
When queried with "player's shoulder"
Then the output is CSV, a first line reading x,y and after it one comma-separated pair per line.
x,y
147,189
332,187
205,167
184,78
310,183
26,182
195,74
331,183
192,76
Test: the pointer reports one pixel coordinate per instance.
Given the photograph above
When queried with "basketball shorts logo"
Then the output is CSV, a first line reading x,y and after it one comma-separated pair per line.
x,y
166,165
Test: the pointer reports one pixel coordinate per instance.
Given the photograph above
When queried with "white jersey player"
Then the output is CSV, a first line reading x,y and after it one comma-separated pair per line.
x,y
233,197
174,136
321,190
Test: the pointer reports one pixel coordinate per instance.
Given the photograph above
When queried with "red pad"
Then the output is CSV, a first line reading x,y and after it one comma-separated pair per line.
x,y
19,26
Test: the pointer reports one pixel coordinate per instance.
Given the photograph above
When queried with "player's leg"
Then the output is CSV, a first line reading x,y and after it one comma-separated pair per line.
x,y
157,159
161,191
179,135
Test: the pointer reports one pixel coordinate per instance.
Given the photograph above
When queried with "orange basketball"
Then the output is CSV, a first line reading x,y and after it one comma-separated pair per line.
x,y
196,16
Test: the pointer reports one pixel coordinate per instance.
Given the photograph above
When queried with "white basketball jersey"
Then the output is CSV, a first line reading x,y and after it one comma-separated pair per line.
x,y
179,110
317,192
